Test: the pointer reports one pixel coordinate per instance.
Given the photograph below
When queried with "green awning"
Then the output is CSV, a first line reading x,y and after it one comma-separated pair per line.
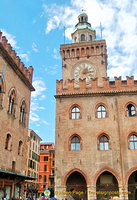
x,y
4,173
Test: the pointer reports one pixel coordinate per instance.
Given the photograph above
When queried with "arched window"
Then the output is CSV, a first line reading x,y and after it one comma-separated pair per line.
x,y
101,112
75,39
90,37
75,113
11,109
23,113
131,111
133,142
82,37
103,143
75,144
20,148
8,142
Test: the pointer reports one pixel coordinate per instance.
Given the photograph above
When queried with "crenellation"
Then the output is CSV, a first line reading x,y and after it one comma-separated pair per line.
x,y
21,66
71,86
25,70
130,81
18,60
82,84
0,35
106,82
94,83
7,46
29,76
30,71
117,81
4,41
13,55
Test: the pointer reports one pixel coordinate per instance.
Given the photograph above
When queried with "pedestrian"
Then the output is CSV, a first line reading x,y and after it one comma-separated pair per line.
x,y
5,198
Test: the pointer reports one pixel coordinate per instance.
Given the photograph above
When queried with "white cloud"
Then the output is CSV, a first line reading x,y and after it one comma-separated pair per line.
x,y
119,22
39,86
34,47
34,117
45,122
37,95
52,70
24,56
11,38
56,54
42,97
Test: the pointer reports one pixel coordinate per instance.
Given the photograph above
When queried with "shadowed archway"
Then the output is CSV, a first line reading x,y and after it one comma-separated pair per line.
x,y
106,186
76,186
132,186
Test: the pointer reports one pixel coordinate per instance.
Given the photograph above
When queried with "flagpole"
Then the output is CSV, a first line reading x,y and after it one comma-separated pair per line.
x,y
101,30
64,34
2,73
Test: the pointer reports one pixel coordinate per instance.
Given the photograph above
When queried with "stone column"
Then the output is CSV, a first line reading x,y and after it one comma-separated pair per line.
x,y
60,192
91,192
22,194
12,190
123,192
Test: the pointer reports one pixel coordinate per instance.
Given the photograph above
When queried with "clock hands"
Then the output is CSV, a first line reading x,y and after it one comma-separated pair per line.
x,y
86,71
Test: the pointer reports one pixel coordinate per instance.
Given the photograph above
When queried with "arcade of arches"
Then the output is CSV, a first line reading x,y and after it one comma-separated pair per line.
x,y
106,188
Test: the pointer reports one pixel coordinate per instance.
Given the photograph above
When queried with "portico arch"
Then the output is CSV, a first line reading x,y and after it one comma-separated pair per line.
x,y
132,184
76,185
107,184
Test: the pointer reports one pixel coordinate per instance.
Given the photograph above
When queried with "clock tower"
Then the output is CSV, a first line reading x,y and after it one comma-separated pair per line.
x,y
96,129
86,57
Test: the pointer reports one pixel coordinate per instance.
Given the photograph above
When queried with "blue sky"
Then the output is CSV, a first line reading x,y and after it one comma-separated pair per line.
x,y
35,29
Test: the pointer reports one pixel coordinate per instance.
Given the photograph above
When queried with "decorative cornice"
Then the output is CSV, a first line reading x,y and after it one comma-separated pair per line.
x,y
117,87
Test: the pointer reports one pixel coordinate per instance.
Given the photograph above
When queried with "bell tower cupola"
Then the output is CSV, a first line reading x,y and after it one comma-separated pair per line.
x,y
84,32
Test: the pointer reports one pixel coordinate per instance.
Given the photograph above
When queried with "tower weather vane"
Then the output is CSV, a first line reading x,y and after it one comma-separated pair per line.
x,y
83,10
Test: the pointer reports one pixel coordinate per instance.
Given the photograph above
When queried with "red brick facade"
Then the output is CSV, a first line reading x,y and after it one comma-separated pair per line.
x,y
96,129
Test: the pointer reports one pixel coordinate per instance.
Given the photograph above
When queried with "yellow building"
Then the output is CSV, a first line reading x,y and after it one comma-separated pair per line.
x,y
33,160
96,129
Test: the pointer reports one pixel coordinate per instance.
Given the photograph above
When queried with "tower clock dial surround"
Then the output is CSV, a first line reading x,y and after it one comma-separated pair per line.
x,y
84,71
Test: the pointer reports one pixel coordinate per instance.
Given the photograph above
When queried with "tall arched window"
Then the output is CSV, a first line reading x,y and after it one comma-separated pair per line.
x,y
131,111
23,113
75,144
8,142
133,142
103,143
11,109
20,147
75,113
90,37
101,112
82,37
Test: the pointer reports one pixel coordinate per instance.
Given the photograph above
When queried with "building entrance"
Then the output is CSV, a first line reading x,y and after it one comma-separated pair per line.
x,y
132,186
106,186
76,186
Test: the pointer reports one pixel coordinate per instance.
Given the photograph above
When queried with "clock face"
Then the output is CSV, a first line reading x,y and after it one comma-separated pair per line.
x,y
84,71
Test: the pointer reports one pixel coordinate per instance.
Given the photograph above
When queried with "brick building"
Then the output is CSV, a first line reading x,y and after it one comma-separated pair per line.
x,y
46,168
15,92
96,129
33,159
